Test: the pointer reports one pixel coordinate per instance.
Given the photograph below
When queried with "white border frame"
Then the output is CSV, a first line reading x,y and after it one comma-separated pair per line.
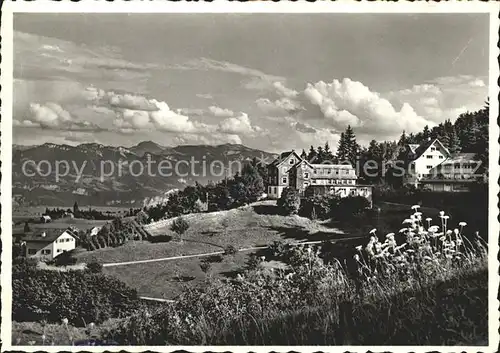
x,y
219,6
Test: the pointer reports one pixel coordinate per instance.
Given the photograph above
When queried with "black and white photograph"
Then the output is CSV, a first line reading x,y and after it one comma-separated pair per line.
x,y
252,175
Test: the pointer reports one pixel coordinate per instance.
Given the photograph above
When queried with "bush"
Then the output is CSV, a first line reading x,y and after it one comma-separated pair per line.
x,y
289,201
94,266
319,206
205,266
179,226
349,207
65,259
230,250
79,296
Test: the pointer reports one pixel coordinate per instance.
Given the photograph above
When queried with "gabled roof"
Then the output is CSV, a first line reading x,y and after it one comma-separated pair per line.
x,y
426,144
413,147
282,157
50,235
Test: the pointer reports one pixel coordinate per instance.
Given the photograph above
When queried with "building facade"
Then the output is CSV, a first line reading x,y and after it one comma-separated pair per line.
x,y
46,244
290,170
431,166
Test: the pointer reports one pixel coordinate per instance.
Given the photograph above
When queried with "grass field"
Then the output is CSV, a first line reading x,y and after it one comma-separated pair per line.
x,y
245,227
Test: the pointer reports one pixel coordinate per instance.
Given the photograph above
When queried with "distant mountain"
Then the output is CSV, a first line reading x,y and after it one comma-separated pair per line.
x,y
110,175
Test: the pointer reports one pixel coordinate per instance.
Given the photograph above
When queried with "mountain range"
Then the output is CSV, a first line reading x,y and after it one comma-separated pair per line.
x,y
103,175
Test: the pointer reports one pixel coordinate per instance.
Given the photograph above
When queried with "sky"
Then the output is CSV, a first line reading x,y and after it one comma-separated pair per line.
x,y
268,81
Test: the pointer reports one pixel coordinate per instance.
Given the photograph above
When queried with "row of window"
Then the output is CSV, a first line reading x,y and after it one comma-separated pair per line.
x,y
430,156
338,182
64,240
43,252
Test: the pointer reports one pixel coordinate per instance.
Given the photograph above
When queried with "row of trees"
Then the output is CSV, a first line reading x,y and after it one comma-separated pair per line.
x,y
327,206
111,234
243,188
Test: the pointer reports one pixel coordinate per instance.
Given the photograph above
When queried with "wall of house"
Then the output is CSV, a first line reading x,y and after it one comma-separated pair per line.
x,y
40,248
432,157
64,242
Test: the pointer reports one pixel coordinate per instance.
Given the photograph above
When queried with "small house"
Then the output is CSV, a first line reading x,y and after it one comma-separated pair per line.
x,y
46,244
45,219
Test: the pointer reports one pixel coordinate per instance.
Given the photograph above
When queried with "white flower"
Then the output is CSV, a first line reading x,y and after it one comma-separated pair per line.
x,y
455,231
462,224
441,213
65,321
418,214
390,236
446,217
402,230
373,231
414,207
356,257
449,231
408,220
263,258
359,247
91,325
44,337
433,229
428,219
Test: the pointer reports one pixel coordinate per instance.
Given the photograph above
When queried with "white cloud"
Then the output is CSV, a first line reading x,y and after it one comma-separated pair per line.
x,y
282,106
238,125
220,112
349,102
284,91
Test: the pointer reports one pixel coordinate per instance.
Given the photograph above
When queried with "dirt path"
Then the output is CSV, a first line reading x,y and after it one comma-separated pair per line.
x,y
211,253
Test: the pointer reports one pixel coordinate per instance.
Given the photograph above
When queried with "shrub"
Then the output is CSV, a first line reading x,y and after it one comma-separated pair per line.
x,y
349,207
94,266
230,250
289,201
179,226
79,296
319,206
65,259
205,266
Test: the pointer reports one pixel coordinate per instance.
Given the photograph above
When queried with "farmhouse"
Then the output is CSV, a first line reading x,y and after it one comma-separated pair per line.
x,y
46,244
431,166
290,170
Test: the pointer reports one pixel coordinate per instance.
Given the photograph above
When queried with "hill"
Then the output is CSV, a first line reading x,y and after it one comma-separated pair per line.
x,y
111,175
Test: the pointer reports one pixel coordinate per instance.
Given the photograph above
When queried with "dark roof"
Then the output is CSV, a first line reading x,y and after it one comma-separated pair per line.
x,y
50,235
281,157
425,145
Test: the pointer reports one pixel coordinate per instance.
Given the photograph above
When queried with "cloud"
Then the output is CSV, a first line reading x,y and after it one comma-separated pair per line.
x,y
204,96
349,102
238,125
282,106
304,128
220,112
444,97
284,91
52,116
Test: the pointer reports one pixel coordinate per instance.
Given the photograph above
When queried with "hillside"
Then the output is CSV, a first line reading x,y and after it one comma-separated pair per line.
x,y
111,175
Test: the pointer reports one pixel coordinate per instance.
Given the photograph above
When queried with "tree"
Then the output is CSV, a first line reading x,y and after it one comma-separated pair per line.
x,y
76,210
27,228
253,182
303,155
238,192
320,155
328,155
141,217
426,133
289,201
179,226
403,139
348,147
454,142
311,156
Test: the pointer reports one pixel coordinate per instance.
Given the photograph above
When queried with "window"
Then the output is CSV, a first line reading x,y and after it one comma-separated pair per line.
x,y
329,171
441,157
283,169
31,251
274,190
429,156
284,180
59,250
46,252
429,167
433,149
306,175
292,161
314,181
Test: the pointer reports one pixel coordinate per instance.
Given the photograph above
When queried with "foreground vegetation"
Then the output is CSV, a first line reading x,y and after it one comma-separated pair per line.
x,y
428,281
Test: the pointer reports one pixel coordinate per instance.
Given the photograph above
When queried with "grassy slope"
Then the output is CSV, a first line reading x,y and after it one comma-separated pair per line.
x,y
245,227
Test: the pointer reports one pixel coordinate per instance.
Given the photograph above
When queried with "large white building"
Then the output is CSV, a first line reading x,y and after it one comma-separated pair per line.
x,y
431,166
